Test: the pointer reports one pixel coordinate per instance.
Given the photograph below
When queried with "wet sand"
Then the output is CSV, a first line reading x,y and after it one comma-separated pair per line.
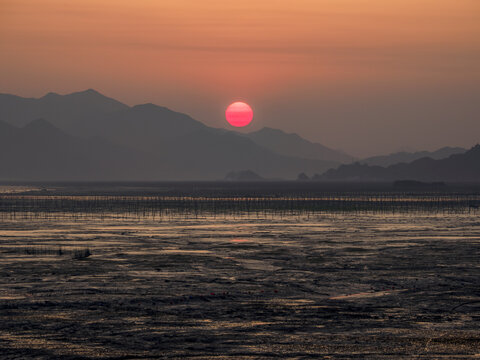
x,y
325,286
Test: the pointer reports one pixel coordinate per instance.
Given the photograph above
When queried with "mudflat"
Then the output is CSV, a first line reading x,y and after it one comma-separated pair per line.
x,y
252,286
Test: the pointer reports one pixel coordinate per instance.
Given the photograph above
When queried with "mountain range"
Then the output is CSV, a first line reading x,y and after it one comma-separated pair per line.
x,y
293,145
407,157
40,151
88,136
463,167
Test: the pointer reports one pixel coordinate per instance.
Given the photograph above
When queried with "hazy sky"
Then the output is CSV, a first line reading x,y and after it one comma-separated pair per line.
x,y
366,76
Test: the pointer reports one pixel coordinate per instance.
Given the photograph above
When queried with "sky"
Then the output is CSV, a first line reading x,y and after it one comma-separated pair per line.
x,y
365,76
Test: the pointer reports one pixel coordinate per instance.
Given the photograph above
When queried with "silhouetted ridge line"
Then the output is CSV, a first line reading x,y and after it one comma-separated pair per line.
x,y
88,136
91,140
407,157
293,145
456,168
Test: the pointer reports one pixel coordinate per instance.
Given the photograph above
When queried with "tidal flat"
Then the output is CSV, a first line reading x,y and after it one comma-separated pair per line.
x,y
261,285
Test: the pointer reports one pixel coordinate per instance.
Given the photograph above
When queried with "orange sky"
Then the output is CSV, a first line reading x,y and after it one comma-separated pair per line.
x,y
317,67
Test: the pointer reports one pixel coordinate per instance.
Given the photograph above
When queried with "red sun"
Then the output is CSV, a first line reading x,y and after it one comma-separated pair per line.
x,y
239,114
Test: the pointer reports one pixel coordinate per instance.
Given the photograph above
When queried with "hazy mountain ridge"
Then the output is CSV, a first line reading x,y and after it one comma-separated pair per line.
x,y
159,143
88,136
73,113
40,151
89,113
407,157
294,145
456,168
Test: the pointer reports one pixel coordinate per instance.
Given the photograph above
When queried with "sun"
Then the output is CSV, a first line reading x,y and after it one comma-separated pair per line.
x,y
239,114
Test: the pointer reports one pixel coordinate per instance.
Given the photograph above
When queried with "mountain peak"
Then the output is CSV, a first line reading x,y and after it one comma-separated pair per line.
x,y
43,129
50,95
150,106
146,106
87,93
474,149
84,94
39,123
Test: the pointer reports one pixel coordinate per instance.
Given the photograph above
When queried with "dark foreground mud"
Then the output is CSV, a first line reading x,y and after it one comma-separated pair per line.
x,y
330,286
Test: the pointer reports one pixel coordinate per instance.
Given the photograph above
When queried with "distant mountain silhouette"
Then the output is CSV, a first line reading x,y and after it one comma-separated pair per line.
x,y
40,151
192,149
294,145
88,136
406,157
148,127
74,113
89,113
160,144
302,177
456,168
